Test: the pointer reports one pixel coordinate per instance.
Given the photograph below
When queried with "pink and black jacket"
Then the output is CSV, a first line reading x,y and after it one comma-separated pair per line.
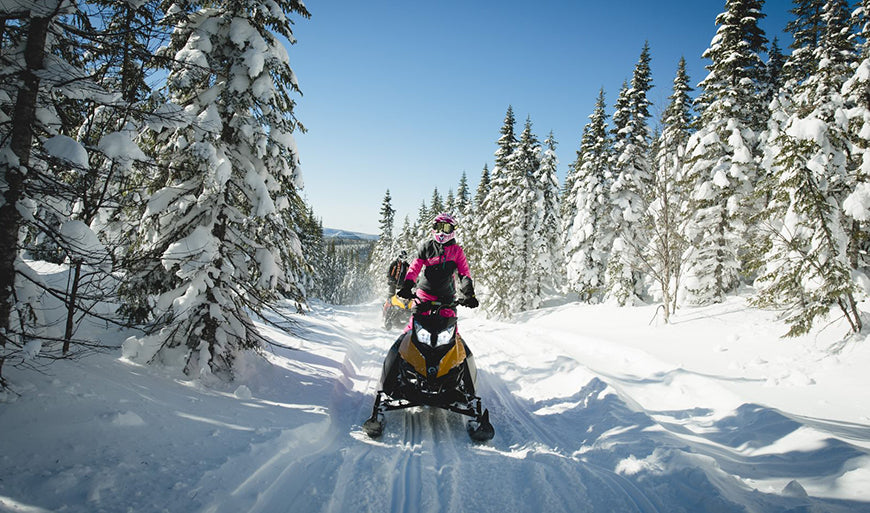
x,y
438,262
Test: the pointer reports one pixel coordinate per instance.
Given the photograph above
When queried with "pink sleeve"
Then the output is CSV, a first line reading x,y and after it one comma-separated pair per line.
x,y
461,263
414,269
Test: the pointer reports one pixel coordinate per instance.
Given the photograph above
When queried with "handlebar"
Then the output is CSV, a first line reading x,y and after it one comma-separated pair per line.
x,y
437,306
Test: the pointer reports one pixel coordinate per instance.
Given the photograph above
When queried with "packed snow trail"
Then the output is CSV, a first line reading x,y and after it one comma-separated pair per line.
x,y
594,411
585,447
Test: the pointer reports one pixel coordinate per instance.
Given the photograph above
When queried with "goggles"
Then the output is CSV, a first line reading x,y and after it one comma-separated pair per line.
x,y
442,227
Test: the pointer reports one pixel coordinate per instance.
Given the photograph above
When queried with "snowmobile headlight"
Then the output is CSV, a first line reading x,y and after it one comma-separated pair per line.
x,y
422,334
445,336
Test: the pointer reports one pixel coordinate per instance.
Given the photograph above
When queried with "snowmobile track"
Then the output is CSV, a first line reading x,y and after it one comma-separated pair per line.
x,y
521,427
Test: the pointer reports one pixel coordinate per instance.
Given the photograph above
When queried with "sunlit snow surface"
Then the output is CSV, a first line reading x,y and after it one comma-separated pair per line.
x,y
596,408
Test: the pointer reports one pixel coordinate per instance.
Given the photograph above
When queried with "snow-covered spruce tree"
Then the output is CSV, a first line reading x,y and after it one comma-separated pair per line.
x,y
332,274
586,209
664,252
460,207
806,29
94,44
357,284
423,225
385,250
462,202
482,188
407,237
472,218
436,205
526,197
722,156
314,252
511,223
856,92
217,221
497,228
631,182
567,201
345,276
548,255
807,268
774,93
774,74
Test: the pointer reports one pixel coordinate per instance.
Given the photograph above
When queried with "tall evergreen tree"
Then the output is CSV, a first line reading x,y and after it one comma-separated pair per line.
x,y
462,204
220,223
631,181
806,30
450,201
423,224
118,39
55,182
525,195
507,142
664,253
388,216
497,228
723,154
436,205
807,267
385,248
472,241
775,77
314,251
407,237
586,209
856,92
547,261
482,188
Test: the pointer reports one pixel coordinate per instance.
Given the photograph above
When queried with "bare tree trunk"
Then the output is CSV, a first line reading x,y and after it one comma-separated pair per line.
x,y
14,176
851,312
71,306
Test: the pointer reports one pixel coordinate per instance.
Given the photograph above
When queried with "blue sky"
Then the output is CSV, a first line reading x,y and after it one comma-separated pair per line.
x,y
405,95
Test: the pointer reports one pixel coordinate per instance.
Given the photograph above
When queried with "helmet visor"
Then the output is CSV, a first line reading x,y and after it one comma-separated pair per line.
x,y
441,226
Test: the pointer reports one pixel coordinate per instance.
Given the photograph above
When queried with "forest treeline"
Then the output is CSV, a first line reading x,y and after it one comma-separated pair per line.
x,y
757,178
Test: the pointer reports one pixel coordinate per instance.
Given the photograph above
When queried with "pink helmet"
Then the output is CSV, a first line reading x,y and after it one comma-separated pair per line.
x,y
443,227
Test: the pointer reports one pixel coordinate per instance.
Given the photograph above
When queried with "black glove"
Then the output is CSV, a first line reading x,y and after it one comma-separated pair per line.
x,y
405,291
466,287
470,302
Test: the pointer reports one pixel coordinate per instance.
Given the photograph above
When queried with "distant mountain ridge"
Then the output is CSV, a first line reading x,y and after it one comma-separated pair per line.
x,y
332,233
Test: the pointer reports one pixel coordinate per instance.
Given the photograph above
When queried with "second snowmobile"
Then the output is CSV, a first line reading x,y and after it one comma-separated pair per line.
x,y
430,365
396,312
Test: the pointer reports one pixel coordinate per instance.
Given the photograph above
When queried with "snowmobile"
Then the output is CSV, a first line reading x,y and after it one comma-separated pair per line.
x,y
430,365
397,311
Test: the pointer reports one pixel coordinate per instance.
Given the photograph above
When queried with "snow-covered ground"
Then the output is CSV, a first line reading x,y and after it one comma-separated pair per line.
x,y
596,408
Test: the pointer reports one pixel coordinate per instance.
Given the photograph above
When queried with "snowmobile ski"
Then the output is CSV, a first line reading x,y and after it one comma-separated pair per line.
x,y
374,427
480,429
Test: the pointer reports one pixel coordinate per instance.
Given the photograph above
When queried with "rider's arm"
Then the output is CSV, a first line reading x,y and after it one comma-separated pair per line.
x,y
461,263
414,269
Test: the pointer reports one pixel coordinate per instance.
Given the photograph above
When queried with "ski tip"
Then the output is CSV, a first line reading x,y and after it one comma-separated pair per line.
x,y
481,430
373,428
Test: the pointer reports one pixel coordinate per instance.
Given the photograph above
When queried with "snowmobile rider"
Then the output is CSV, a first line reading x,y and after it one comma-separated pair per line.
x,y
396,273
432,269
438,259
